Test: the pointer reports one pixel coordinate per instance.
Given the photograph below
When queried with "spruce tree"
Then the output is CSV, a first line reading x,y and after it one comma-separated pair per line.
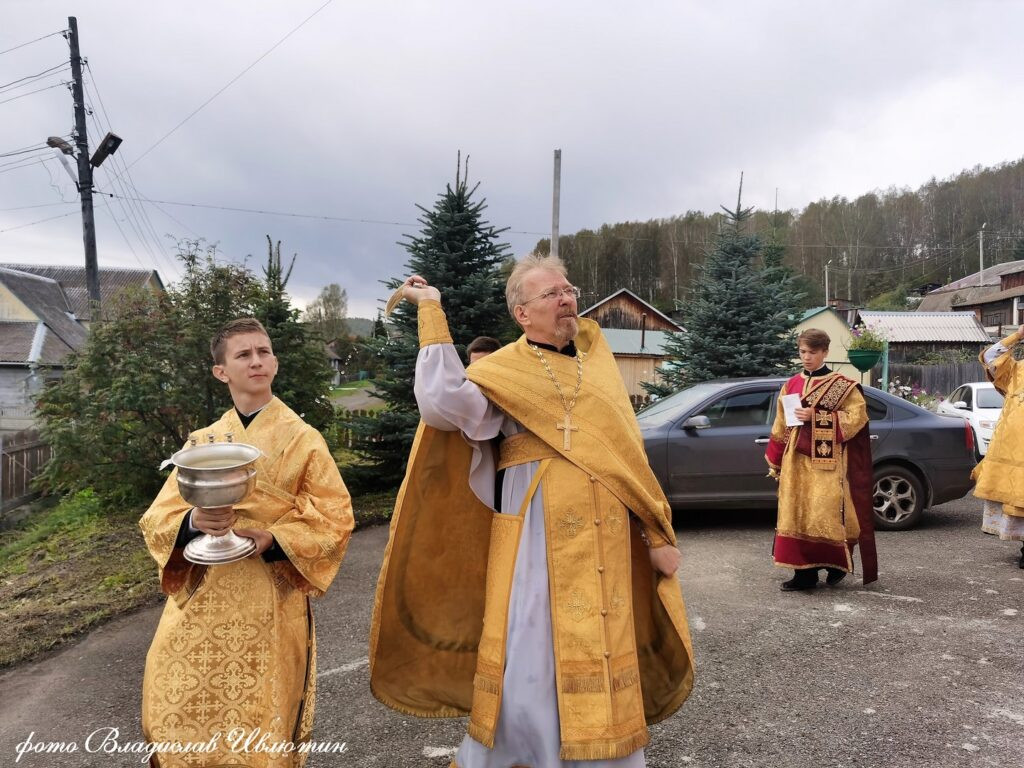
x,y
304,374
740,315
459,253
142,382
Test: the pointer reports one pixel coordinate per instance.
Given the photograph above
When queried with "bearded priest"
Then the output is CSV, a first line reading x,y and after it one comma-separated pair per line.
x,y
533,587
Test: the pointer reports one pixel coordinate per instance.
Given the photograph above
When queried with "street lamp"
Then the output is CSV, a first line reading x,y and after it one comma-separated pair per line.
x,y
62,148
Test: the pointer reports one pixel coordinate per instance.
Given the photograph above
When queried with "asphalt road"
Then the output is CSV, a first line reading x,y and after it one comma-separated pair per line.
x,y
924,668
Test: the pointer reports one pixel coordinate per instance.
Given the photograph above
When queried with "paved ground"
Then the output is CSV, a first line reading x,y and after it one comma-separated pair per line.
x,y
923,669
357,399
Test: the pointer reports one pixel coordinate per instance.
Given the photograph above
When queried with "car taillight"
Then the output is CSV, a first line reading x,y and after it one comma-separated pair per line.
x,y
969,436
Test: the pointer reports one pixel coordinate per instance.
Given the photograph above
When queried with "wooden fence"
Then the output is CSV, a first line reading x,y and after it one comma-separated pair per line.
x,y
22,457
940,379
344,435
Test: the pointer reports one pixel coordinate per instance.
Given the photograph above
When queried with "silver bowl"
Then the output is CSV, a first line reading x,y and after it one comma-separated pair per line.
x,y
217,475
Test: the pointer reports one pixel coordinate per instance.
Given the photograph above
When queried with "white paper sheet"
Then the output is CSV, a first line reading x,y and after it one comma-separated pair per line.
x,y
789,405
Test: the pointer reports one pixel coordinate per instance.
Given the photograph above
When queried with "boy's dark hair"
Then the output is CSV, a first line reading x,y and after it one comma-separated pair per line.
x,y
233,328
483,344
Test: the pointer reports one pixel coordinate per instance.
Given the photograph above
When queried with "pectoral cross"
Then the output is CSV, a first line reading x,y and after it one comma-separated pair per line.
x,y
566,428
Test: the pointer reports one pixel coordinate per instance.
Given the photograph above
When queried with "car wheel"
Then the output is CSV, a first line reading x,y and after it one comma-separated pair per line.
x,y
898,498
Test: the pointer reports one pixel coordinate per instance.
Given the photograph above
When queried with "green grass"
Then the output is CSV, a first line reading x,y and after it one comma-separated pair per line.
x,y
65,569
352,386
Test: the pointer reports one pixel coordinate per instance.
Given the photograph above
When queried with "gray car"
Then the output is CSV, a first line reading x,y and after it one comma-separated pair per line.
x,y
706,446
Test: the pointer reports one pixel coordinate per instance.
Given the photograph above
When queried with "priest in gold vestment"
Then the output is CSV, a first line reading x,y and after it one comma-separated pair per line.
x,y
234,656
824,471
999,478
546,605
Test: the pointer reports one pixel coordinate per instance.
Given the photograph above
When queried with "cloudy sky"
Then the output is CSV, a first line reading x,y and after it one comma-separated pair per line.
x,y
359,113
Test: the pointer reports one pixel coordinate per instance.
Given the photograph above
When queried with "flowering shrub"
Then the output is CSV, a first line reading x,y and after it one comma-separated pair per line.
x,y
867,338
912,394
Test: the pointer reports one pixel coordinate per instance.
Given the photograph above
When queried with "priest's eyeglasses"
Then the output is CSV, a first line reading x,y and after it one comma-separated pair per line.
x,y
570,292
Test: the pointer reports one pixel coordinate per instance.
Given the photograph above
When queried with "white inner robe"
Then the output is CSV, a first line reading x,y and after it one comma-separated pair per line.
x,y
528,725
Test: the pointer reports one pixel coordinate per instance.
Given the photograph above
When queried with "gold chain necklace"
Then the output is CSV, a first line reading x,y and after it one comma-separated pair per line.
x,y
565,427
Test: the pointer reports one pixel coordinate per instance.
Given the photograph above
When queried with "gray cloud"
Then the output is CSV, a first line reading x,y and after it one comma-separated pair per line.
x,y
360,113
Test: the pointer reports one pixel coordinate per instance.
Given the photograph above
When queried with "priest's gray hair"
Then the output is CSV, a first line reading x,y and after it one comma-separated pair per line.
x,y
514,287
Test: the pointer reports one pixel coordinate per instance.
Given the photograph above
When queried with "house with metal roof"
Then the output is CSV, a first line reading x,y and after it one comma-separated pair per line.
x,y
972,290
637,333
916,335
72,281
43,320
833,323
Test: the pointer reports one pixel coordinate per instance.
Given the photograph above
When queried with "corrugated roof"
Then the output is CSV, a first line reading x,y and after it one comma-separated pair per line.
x,y
44,297
904,327
624,341
809,313
72,280
967,290
991,277
946,301
16,341
989,298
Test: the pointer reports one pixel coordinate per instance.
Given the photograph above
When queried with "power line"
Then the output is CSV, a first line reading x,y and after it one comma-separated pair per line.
x,y
35,161
29,147
130,216
285,213
106,204
40,221
45,73
32,158
235,79
127,183
61,32
22,96
25,151
40,205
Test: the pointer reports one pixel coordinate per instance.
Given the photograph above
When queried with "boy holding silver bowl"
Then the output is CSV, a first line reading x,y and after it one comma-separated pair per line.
x,y
231,672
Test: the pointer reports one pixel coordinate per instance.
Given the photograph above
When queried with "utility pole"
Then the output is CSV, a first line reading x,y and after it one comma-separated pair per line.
x,y
92,278
981,255
555,201
827,263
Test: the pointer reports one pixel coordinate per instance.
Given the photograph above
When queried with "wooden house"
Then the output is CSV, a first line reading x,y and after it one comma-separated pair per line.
x,y
44,314
637,333
1001,310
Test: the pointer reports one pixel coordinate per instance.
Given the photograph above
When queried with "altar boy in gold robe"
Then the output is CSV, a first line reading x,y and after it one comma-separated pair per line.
x,y
824,471
234,656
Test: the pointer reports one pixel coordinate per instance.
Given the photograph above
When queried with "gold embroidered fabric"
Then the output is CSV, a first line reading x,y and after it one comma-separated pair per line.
x,y
235,646
522,448
815,504
823,399
1000,475
621,641
432,324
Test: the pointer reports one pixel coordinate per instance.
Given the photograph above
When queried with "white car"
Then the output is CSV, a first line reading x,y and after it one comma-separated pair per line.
x,y
980,404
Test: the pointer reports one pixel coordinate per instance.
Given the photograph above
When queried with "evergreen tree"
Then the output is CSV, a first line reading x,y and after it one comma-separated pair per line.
x,y
459,253
142,382
304,372
739,318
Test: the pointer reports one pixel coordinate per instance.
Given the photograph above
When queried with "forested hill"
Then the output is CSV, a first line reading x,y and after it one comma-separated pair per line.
x,y
876,243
